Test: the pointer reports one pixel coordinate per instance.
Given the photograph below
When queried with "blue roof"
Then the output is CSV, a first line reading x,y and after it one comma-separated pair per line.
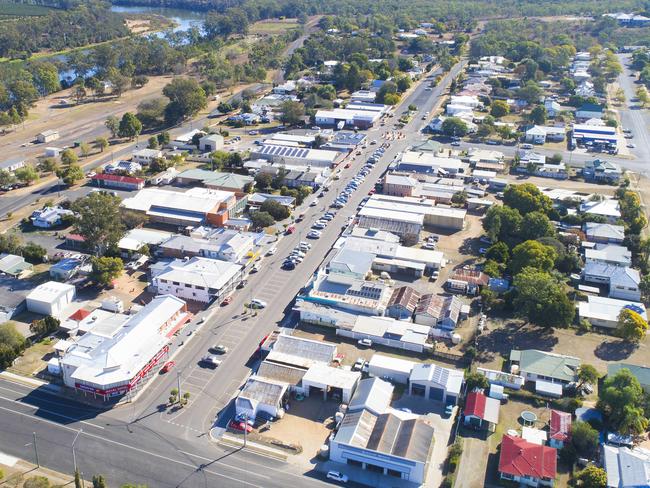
x,y
67,264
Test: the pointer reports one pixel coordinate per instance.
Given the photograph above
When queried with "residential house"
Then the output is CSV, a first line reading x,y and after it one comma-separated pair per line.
x,y
403,303
603,312
590,111
626,467
197,279
436,383
439,311
121,167
608,208
552,107
629,20
144,157
13,265
536,135
257,199
623,282
540,366
481,411
641,373
559,429
65,269
604,233
527,463
609,254
602,171
49,217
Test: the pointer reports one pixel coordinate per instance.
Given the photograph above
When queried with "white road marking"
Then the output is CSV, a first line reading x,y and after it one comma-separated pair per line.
x,y
51,412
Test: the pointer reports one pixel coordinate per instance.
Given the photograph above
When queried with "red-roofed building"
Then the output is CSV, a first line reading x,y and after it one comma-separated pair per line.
x,y
527,463
481,411
560,431
79,315
104,180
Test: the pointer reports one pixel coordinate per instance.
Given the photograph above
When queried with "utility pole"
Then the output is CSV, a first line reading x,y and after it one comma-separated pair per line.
x,y
178,379
36,450
245,428
74,457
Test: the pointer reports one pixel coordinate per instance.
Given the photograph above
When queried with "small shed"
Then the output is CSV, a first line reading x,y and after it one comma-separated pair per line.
x,y
481,411
546,388
261,396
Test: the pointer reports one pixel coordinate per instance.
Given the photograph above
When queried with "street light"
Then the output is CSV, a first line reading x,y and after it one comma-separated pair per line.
x,y
74,457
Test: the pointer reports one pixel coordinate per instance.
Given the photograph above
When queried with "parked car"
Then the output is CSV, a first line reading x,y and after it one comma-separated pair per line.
x,y
257,303
242,284
226,301
219,349
364,342
167,367
289,265
211,361
337,476
358,364
241,426
314,234
272,251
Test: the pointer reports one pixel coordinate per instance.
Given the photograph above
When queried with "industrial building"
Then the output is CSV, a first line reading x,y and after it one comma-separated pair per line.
x,y
296,156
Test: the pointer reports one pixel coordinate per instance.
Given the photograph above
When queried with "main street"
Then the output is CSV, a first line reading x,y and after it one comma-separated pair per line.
x,y
147,443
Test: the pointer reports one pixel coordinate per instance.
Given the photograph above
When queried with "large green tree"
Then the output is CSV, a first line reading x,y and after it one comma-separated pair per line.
x,y
130,126
502,223
186,98
592,477
454,127
532,254
106,269
526,198
541,299
98,221
622,400
631,326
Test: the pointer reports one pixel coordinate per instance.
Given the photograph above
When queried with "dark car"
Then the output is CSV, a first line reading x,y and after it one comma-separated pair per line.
x,y
242,284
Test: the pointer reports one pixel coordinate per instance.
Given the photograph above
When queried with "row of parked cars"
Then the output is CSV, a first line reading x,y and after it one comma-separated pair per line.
x,y
352,186
296,256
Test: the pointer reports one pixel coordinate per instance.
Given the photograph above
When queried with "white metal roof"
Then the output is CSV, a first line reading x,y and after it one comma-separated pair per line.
x,y
50,291
603,308
394,364
322,374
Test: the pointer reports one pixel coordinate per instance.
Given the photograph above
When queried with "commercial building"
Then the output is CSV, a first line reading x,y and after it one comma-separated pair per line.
x,y
481,411
402,303
439,311
436,383
433,216
355,115
117,358
50,298
603,312
261,397
389,332
224,244
372,394
296,156
387,367
106,180
196,279
194,207
428,163
331,382
527,463
595,135
393,444
211,143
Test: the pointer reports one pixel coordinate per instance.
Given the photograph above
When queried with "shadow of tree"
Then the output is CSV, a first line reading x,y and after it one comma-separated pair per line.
x,y
615,350
513,335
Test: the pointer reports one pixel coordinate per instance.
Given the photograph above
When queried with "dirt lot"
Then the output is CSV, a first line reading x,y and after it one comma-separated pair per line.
x,y
592,348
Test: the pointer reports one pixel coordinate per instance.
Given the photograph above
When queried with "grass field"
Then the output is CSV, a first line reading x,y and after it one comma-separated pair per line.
x,y
272,26
12,10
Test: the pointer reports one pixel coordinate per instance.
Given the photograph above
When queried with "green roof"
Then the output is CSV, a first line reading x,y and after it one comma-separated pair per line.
x,y
547,364
642,373
427,146
216,178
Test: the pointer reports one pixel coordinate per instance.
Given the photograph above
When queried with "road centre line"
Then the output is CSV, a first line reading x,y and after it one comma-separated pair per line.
x,y
51,412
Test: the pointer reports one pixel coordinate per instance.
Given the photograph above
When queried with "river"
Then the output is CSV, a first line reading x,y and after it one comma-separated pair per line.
x,y
184,19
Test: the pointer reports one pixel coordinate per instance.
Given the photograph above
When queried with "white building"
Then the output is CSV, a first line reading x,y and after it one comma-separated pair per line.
x,y
337,383
626,468
604,312
50,298
49,217
261,397
145,156
623,282
117,357
387,367
609,254
197,279
211,143
295,156
608,208
436,383
47,136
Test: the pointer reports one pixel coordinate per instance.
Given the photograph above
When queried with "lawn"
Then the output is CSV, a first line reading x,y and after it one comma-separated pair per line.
x,y
9,10
273,26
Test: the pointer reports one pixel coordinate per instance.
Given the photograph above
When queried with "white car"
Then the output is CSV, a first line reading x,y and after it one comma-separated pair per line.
x,y
314,234
337,476
365,342
272,251
257,303
313,204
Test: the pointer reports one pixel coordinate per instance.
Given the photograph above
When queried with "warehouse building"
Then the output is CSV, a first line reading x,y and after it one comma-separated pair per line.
x,y
296,156
436,383
50,298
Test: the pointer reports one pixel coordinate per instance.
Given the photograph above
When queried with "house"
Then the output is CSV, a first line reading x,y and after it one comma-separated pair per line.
x,y
527,463
390,368
603,312
65,269
12,164
261,397
560,429
436,383
602,171
604,233
13,265
123,355
49,217
106,180
257,199
481,411
402,303
540,366
590,111
372,394
609,254
128,167
623,282
47,136
211,143
626,467
641,373
50,298
533,435
145,156
391,443
438,311
608,208
629,20
552,107
536,135
197,279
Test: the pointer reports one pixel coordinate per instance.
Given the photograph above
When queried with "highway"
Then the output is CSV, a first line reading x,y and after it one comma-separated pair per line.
x,y
146,442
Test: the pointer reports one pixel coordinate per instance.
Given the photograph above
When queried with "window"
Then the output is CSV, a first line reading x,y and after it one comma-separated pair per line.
x,y
507,476
176,283
200,287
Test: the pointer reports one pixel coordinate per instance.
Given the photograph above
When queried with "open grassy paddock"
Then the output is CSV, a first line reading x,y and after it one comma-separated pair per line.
x,y
276,26
12,10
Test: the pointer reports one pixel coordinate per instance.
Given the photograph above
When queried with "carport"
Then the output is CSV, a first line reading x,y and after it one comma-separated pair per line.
x,y
332,382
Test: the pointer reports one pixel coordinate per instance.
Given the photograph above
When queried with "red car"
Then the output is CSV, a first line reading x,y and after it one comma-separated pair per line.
x,y
226,300
167,367
372,191
241,426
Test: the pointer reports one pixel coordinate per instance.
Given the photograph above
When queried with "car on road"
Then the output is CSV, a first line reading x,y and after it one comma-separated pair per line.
x,y
257,303
364,342
455,143
313,204
226,301
211,361
241,426
242,284
253,132
219,349
631,145
256,268
347,165
167,367
289,265
629,135
337,476
314,234
272,251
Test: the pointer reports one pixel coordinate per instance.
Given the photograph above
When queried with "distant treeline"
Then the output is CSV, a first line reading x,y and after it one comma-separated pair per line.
x,y
81,25
417,9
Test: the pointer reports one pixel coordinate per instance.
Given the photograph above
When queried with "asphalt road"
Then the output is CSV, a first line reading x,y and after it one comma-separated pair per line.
x,y
147,443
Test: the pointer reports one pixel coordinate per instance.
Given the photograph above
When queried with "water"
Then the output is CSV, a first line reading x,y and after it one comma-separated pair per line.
x,y
184,19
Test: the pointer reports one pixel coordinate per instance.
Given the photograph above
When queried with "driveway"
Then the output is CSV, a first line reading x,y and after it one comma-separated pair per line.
x,y
473,463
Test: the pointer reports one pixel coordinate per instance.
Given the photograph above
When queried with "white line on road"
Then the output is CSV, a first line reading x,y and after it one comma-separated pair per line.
x,y
52,412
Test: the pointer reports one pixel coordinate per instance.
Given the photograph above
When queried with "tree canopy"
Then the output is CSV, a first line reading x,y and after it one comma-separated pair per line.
x,y
98,221
622,400
541,299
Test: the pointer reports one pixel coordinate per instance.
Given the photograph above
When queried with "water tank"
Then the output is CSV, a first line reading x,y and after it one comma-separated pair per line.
x,y
456,338
514,369
338,416
324,451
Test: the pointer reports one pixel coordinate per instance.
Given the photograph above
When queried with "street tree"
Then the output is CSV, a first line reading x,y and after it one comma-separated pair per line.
x,y
27,174
541,299
70,174
631,326
6,178
106,269
587,374
98,221
454,127
84,147
130,126
186,98
112,123
99,481
261,219
48,165
101,143
68,157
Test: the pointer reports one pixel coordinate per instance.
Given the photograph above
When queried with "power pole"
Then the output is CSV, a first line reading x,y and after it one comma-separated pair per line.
x,y
178,379
36,450
245,428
